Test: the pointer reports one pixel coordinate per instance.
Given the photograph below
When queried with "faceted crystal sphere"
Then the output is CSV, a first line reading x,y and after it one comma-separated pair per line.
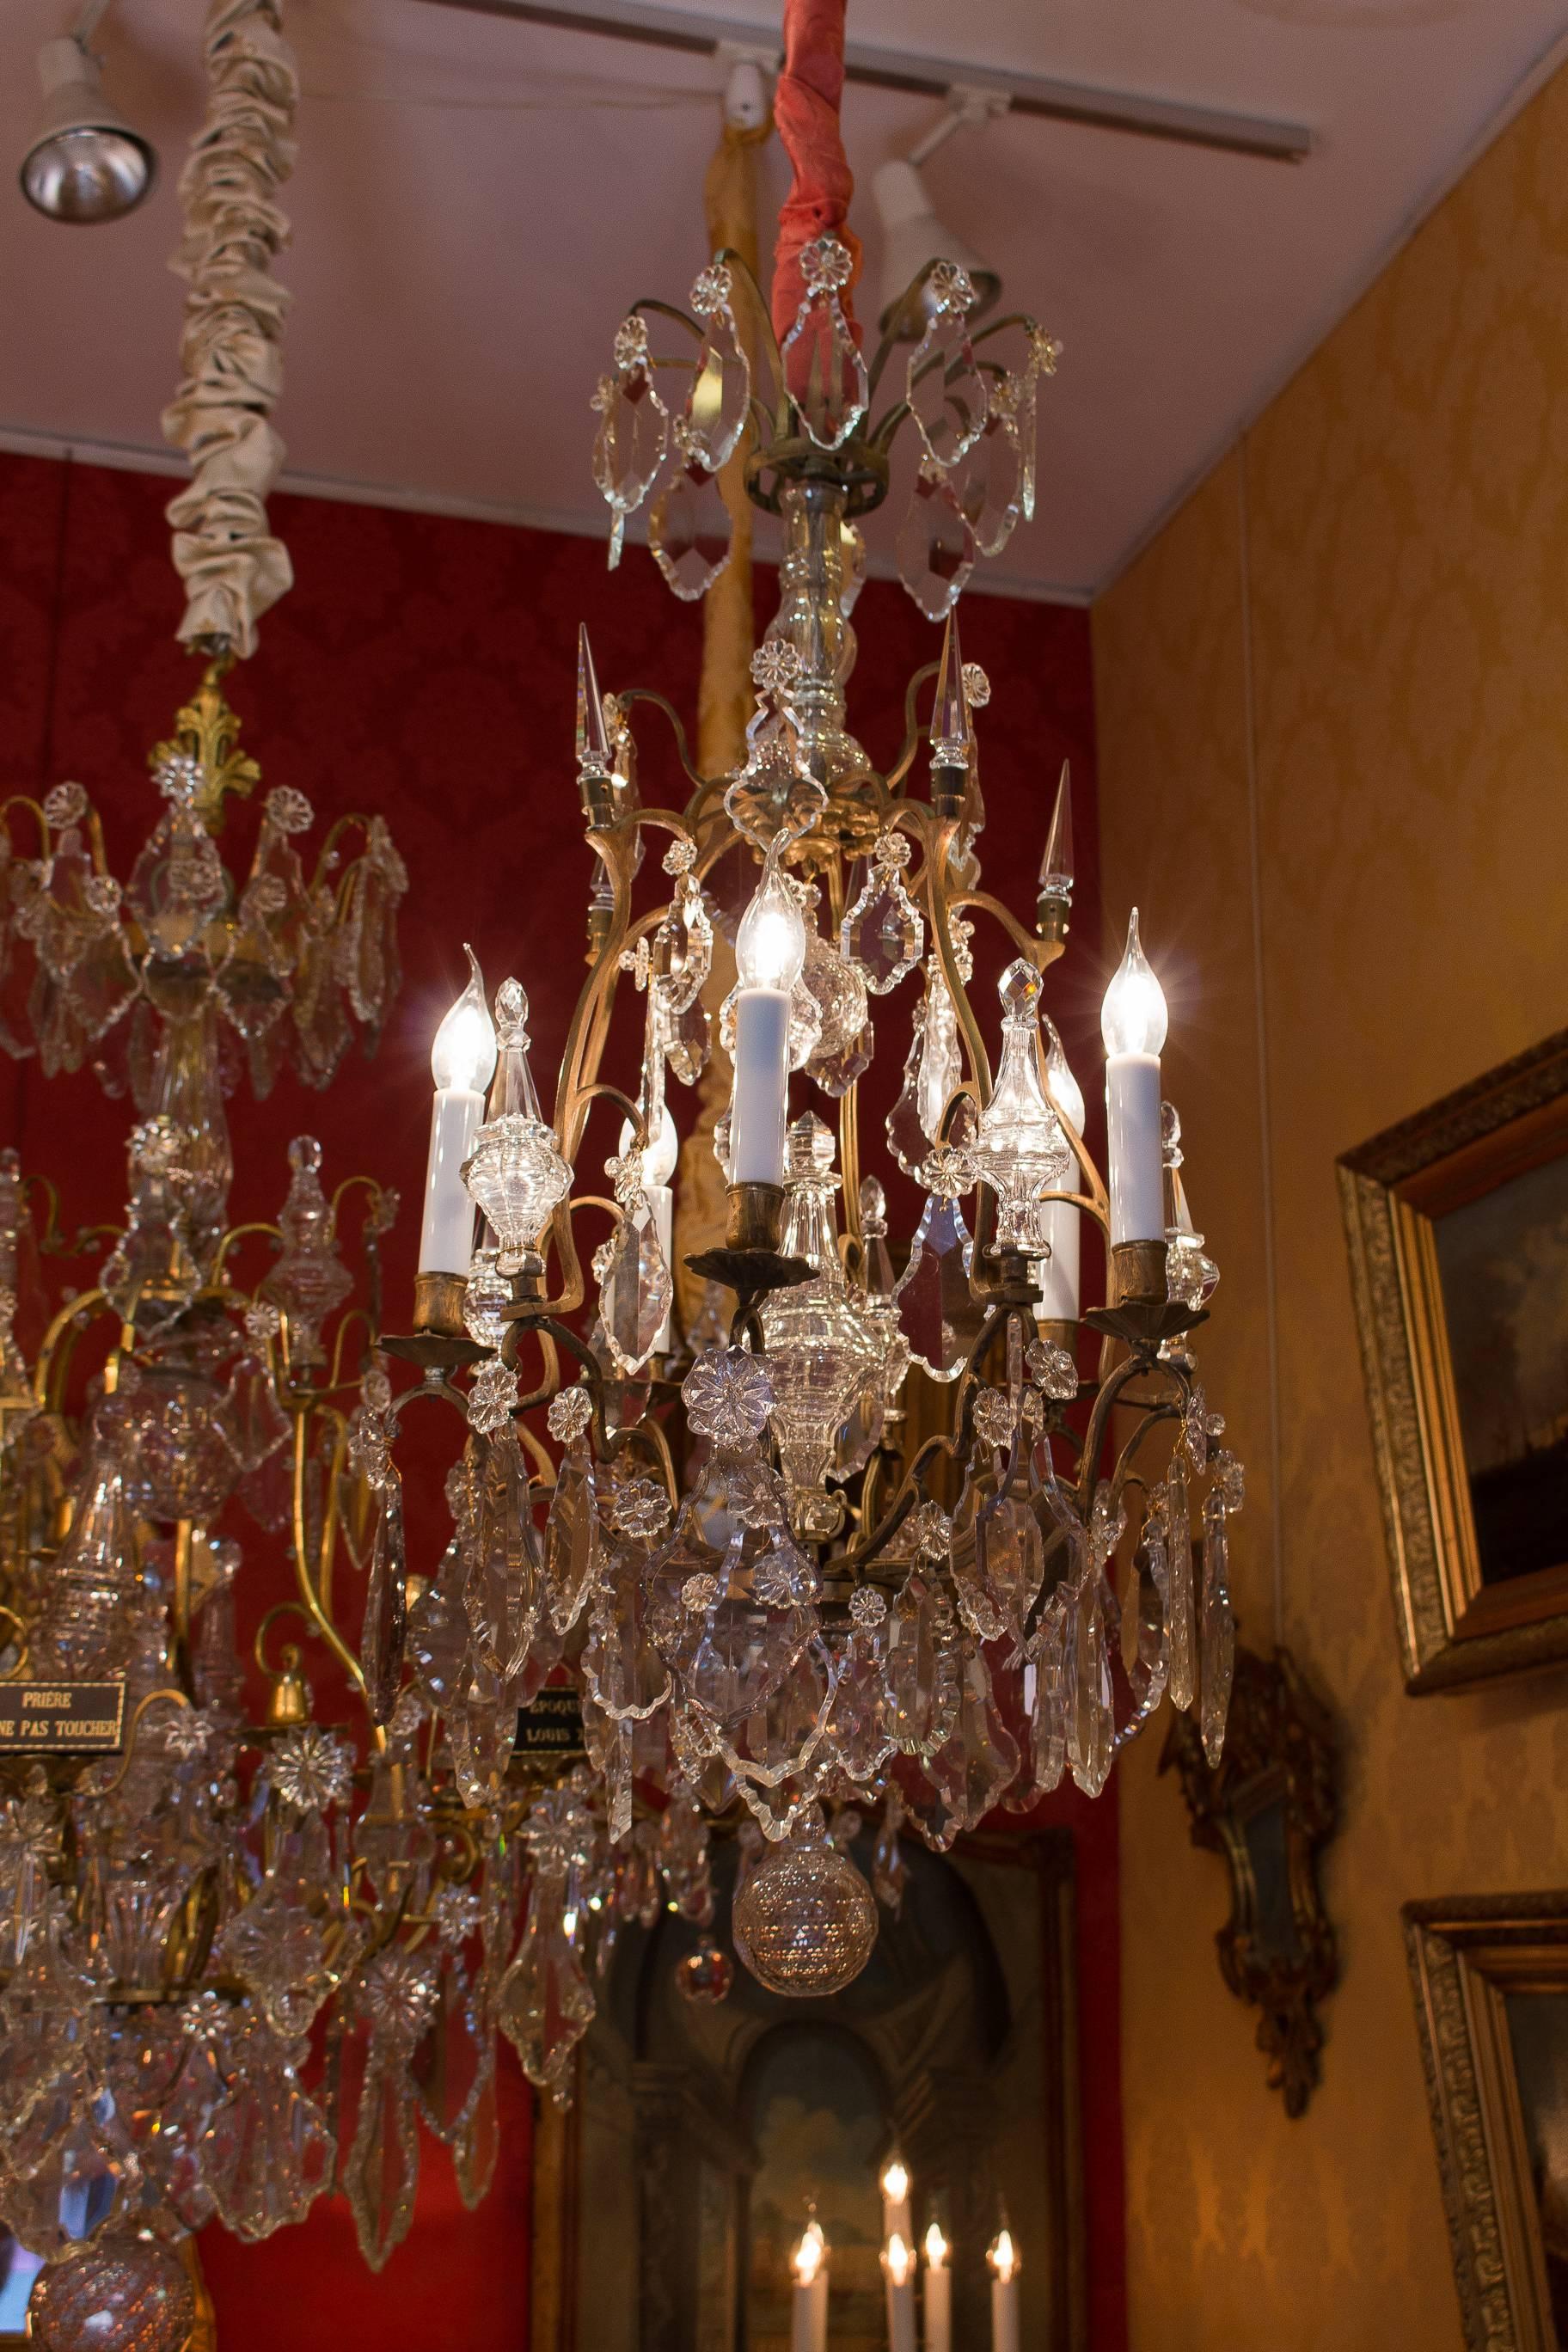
x,y
121,2294
806,1922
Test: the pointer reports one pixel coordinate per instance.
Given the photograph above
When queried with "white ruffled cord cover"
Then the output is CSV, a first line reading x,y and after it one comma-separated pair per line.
x,y
231,348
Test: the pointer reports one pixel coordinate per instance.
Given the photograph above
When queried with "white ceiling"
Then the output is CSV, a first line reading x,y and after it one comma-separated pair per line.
x,y
477,201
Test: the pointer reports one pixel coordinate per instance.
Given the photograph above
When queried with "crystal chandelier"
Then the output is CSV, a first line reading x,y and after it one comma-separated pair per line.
x,y
778,1604
244,1960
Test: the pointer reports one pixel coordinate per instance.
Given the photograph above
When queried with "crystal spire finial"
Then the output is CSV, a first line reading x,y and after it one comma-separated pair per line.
x,y
594,756
1056,866
951,731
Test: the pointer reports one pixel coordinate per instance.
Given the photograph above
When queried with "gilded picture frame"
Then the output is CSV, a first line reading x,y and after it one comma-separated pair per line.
x,y
1457,1169
1490,1981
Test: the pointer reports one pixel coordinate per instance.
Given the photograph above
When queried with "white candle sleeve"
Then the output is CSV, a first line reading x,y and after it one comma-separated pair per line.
x,y
1059,1275
447,1233
661,1198
808,2314
1132,1121
939,2310
901,2315
1004,2314
761,1108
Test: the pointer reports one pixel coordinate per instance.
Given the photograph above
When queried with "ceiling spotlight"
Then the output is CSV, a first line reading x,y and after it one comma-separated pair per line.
x,y
913,236
84,161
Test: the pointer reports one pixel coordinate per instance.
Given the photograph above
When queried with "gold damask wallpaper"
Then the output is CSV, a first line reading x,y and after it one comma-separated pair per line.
x,y
1333,705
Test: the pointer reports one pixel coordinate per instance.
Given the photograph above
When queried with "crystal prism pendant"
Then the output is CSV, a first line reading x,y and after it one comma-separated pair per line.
x,y
993,493
689,528
824,372
1179,1586
946,391
1217,1632
938,1313
884,931
1020,1148
635,1287
935,543
633,439
843,1042
720,398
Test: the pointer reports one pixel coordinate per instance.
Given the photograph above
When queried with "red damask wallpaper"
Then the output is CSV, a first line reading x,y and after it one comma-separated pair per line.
x,y
424,667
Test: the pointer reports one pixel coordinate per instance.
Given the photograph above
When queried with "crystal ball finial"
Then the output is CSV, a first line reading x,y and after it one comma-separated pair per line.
x,y
805,1923
1019,988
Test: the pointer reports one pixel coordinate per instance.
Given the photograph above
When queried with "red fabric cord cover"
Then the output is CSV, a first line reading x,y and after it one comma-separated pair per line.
x,y
805,109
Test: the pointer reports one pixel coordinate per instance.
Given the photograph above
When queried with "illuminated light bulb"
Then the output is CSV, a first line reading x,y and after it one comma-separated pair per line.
x,y
901,2260
463,1051
1003,2256
462,1061
1133,1018
663,1153
938,2294
770,946
1065,1090
1057,1222
807,2260
895,2182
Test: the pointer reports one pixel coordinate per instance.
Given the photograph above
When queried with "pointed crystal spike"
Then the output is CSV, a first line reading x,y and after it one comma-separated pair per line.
x,y
1056,866
952,729
594,756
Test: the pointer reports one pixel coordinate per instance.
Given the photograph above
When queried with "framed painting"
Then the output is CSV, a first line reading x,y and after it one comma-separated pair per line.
x,y
1490,1977
703,2135
1457,1227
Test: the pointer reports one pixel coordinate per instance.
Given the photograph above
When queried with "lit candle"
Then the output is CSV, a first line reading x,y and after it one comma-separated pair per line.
x,y
1058,1220
770,954
938,2294
462,1059
1003,2264
808,2320
895,2186
1133,1022
659,1166
899,2268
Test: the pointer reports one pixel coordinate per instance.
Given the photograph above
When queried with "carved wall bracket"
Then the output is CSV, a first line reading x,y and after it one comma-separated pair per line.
x,y
1269,1808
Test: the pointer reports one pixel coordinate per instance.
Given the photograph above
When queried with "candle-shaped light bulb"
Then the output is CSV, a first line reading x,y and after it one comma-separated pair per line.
x,y
463,1050
807,2255
770,945
895,2182
770,955
938,2292
1003,2257
660,1158
808,2320
1058,1221
1065,1090
1133,1018
462,1059
898,2274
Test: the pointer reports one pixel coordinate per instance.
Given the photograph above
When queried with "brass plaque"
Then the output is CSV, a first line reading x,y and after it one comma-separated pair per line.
x,y
61,1718
552,1726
